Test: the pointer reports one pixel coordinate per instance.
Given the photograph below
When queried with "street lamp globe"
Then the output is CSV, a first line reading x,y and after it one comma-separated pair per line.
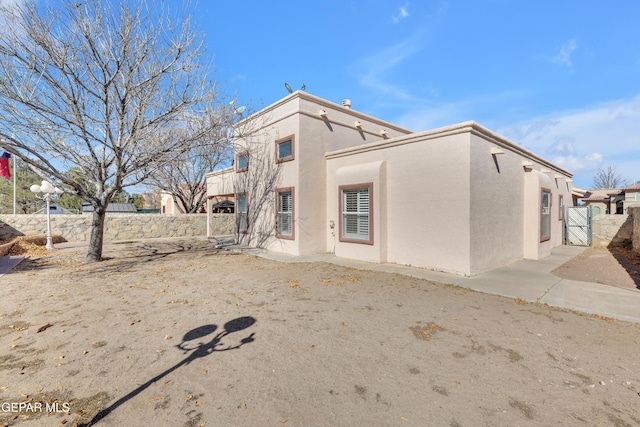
x,y
47,190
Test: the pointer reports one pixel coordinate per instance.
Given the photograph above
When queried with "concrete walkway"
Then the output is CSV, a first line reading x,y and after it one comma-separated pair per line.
x,y
529,280
8,262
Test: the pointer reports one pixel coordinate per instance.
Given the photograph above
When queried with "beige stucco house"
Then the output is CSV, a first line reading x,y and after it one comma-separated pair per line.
x,y
612,200
312,176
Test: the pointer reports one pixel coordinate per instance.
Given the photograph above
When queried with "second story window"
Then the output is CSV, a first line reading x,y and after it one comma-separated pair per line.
x,y
285,149
242,162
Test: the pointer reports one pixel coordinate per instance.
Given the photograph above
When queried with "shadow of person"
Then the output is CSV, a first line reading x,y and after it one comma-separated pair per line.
x,y
198,351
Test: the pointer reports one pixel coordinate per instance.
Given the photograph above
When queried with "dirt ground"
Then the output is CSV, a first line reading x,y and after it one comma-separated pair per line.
x,y
177,333
616,266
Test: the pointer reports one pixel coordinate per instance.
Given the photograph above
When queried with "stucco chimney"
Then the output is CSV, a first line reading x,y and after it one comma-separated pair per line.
x,y
346,103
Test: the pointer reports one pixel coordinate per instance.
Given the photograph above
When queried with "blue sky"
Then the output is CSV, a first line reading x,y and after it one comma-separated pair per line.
x,y
561,78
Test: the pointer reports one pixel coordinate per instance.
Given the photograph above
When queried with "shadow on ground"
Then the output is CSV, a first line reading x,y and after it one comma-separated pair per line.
x,y
629,260
123,256
197,351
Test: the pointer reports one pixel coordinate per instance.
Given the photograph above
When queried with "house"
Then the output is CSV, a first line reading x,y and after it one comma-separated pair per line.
x,y
55,208
312,176
112,209
171,206
612,200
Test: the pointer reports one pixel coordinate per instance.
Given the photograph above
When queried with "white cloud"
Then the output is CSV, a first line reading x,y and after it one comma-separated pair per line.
x,y
564,56
377,65
586,163
585,140
402,13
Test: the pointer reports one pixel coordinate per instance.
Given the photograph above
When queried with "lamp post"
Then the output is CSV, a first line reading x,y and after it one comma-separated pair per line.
x,y
47,190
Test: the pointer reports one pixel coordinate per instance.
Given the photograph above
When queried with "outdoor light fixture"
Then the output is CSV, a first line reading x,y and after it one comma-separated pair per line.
x,y
496,150
358,125
383,133
323,114
47,190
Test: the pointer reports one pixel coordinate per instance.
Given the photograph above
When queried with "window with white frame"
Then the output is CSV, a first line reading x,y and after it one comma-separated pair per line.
x,y
284,220
356,213
241,213
545,215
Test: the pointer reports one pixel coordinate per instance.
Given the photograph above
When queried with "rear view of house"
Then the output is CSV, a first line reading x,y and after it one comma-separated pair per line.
x,y
312,176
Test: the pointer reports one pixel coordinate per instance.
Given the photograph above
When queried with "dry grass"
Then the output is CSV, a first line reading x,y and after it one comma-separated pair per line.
x,y
427,332
31,246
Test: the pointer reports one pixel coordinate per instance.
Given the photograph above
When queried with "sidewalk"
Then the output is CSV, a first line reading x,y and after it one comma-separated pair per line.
x,y
528,280
8,262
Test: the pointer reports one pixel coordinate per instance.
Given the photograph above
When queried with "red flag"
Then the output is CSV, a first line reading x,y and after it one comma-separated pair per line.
x,y
5,172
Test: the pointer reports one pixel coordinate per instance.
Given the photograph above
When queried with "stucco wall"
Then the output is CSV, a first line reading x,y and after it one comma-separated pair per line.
x,y
77,228
427,201
496,208
614,230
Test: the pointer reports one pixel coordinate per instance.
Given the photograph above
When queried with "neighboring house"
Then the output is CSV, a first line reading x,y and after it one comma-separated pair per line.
x,y
112,209
577,194
612,200
170,206
320,177
55,208
167,204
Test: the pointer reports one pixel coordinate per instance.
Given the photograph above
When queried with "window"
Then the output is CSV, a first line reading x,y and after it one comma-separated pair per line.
x,y
595,210
285,149
356,216
637,197
242,162
241,213
284,209
545,215
560,207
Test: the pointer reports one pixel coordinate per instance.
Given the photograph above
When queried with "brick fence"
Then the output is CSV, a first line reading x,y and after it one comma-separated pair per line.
x,y
77,228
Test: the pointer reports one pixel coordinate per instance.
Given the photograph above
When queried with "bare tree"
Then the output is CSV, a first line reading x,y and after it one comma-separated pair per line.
x,y
255,185
609,178
184,177
114,89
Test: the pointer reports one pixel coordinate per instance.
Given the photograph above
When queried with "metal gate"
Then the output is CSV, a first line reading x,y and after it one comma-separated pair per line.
x,y
578,226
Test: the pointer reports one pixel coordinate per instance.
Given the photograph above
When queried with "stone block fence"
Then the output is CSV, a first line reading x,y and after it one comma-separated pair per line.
x,y
635,240
77,228
611,230
617,230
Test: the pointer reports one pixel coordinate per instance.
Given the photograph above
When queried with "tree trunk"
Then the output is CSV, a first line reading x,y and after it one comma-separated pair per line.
x,y
97,235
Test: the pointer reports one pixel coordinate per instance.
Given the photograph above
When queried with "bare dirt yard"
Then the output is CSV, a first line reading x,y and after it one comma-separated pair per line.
x,y
616,266
178,333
